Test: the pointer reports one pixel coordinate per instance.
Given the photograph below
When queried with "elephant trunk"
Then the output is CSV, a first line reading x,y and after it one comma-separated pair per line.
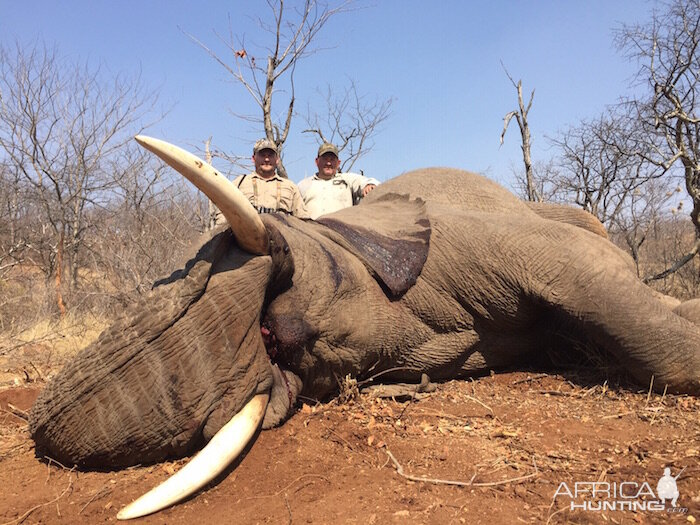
x,y
169,374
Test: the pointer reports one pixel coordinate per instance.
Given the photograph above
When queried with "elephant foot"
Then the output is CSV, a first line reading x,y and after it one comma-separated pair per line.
x,y
402,391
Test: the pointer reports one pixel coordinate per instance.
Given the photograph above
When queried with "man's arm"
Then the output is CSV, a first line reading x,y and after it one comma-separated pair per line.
x,y
304,186
298,207
359,184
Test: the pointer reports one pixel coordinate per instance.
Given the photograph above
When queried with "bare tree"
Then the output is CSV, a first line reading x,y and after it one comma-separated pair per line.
x,y
521,117
350,122
666,49
290,34
597,170
211,211
600,168
667,243
12,241
546,179
151,211
208,214
62,126
646,207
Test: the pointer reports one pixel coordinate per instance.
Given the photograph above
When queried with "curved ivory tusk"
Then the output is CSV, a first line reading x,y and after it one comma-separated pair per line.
x,y
245,222
213,459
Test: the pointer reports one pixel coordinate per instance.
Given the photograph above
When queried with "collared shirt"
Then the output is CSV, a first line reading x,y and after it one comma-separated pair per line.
x,y
271,195
326,196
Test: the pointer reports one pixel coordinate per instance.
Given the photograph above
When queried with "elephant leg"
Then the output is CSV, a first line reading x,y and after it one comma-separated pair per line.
x,y
626,318
689,310
468,353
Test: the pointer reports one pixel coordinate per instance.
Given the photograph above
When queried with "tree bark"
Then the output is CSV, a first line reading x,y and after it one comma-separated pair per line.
x,y
211,207
57,282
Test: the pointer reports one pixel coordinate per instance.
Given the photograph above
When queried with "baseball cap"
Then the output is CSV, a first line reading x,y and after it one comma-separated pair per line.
x,y
264,144
327,147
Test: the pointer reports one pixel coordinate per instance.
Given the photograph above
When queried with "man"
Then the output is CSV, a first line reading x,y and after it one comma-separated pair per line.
x,y
265,189
328,190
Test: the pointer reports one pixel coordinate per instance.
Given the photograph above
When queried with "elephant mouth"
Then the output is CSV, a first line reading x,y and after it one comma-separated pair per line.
x,y
276,351
270,341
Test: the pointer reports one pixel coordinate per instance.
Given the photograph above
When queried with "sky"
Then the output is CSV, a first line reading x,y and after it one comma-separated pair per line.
x,y
440,62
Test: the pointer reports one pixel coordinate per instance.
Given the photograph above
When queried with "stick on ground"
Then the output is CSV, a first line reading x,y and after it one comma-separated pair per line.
x,y
437,481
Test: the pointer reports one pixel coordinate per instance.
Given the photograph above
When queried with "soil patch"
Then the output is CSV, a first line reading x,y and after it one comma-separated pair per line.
x,y
510,440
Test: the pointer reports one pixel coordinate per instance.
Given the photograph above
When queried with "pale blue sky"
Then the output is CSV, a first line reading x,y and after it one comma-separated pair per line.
x,y
439,60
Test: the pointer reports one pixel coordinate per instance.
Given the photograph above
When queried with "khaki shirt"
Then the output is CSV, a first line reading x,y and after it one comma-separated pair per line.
x,y
271,195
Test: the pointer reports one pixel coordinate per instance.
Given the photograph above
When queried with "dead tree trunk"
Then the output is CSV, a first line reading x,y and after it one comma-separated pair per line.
x,y
212,210
59,273
521,117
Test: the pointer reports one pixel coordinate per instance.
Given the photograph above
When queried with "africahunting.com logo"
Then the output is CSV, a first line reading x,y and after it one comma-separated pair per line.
x,y
598,496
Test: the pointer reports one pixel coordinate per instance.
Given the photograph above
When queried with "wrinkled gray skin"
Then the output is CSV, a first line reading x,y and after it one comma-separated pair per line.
x,y
438,271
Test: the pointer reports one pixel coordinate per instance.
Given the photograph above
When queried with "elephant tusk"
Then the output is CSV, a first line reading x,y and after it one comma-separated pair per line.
x,y
213,459
249,230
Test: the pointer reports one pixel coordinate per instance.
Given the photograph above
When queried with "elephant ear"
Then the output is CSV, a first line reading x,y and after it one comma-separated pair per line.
x,y
390,235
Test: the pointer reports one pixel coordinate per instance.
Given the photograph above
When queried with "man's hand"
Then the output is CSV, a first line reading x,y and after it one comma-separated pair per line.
x,y
367,189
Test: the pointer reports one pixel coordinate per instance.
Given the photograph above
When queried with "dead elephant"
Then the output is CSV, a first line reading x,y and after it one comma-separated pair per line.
x,y
439,271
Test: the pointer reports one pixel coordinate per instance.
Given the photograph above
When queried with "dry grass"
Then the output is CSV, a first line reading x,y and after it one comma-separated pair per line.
x,y
667,242
40,350
68,335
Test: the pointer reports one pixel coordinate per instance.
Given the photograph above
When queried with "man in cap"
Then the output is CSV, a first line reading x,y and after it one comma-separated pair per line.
x,y
265,189
328,190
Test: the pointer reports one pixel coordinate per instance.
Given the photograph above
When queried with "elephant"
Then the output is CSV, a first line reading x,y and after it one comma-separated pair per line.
x,y
439,271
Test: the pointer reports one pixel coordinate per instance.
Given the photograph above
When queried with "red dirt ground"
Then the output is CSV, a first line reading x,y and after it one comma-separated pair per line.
x,y
511,439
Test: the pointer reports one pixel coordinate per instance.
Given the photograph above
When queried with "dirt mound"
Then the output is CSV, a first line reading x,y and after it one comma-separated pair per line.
x,y
492,450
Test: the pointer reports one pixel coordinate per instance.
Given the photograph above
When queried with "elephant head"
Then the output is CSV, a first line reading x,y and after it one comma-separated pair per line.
x,y
207,342
440,271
